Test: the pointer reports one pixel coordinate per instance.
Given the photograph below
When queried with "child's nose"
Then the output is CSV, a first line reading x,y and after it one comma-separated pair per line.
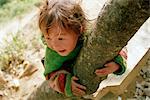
x,y
55,44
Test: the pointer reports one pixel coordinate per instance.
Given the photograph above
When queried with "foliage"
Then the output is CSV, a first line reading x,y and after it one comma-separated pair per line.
x,y
12,50
13,8
2,2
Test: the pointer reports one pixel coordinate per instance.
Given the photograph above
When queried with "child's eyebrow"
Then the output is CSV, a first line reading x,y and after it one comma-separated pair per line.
x,y
62,33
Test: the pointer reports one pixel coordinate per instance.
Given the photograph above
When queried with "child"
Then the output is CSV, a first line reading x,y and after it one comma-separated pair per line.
x,y
62,23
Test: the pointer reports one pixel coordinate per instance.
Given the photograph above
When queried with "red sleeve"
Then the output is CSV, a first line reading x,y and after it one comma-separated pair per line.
x,y
63,80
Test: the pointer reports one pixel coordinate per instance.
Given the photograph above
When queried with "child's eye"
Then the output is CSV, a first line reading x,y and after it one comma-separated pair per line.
x,y
60,38
48,38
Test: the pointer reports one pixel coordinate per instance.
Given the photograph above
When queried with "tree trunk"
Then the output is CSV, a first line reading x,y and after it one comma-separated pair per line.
x,y
116,24
45,93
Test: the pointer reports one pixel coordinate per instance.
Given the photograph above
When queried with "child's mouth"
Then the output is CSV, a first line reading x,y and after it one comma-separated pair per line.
x,y
61,51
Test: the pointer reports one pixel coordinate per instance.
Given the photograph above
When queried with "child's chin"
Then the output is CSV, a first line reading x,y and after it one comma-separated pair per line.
x,y
63,54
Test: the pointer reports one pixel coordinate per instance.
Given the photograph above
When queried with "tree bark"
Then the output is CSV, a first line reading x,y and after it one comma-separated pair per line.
x,y
45,93
116,24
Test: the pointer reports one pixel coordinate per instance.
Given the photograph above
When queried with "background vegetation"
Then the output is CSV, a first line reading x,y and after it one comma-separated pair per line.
x,y
15,44
12,8
12,52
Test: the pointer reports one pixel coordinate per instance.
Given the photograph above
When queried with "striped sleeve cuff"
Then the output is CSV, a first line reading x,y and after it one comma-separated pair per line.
x,y
122,62
68,91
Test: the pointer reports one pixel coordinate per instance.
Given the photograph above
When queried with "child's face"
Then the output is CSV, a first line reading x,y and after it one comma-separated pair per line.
x,y
63,41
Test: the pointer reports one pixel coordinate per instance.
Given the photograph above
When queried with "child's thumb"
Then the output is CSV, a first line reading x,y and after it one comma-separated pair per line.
x,y
106,65
75,78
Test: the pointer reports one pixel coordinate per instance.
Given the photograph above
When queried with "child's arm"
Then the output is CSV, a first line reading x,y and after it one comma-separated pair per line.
x,y
59,76
62,82
117,66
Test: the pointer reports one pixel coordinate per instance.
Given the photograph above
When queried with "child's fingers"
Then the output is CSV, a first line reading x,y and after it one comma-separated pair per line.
x,y
104,71
75,78
112,66
78,92
109,68
78,85
77,89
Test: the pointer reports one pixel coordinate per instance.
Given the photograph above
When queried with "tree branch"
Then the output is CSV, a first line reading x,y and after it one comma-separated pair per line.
x,y
116,24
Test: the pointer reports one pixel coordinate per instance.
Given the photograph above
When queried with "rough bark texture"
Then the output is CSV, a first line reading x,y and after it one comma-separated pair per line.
x,y
45,93
116,24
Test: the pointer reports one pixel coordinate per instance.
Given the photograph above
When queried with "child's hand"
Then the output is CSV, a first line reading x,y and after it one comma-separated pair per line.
x,y
109,68
77,89
53,83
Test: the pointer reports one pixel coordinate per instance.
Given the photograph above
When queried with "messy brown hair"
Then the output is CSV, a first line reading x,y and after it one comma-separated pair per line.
x,y
67,13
